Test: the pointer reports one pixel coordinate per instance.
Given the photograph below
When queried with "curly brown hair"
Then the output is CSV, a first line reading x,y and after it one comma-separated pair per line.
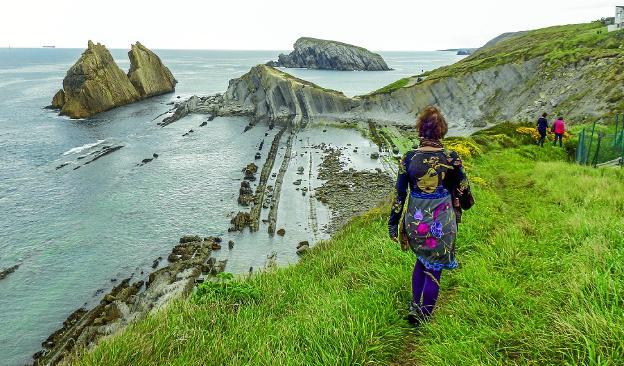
x,y
431,123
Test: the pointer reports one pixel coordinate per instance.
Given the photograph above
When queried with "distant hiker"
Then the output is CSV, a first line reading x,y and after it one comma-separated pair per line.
x,y
542,126
559,129
439,190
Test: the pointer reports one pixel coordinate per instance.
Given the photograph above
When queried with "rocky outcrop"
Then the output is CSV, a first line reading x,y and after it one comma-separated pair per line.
x,y
148,74
267,93
312,53
96,84
129,301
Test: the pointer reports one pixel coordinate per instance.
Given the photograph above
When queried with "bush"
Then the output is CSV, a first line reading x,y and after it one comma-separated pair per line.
x,y
464,146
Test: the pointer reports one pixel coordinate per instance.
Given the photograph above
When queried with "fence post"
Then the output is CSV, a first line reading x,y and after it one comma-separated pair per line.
x,y
617,122
595,160
579,147
591,141
622,146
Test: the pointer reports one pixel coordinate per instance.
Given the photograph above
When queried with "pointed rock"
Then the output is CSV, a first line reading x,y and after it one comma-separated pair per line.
x,y
95,84
147,72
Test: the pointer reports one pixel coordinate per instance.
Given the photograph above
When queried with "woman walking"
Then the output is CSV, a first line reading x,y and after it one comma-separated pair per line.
x,y
542,126
439,188
559,129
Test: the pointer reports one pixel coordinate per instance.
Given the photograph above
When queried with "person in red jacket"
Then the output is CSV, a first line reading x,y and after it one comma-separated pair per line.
x,y
559,129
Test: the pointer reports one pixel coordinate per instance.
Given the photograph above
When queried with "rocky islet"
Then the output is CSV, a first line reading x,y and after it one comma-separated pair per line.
x,y
314,53
95,83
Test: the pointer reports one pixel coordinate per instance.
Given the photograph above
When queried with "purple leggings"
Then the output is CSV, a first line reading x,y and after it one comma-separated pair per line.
x,y
425,284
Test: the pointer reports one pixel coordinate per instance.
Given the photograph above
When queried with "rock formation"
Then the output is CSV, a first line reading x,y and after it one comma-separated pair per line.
x,y
266,92
96,84
315,53
148,74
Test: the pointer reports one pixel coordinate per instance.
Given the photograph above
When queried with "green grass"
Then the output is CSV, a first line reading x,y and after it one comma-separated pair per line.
x,y
541,281
558,46
392,87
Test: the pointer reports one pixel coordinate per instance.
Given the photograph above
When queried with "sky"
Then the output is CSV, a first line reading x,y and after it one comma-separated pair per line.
x,y
389,25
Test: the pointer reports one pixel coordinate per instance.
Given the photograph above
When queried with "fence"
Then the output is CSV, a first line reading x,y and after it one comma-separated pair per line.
x,y
601,147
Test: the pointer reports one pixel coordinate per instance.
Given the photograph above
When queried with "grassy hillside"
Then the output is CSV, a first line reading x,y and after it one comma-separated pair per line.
x,y
558,45
541,281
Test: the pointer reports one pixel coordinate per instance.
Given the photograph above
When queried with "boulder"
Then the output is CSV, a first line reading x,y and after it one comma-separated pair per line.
x,y
240,221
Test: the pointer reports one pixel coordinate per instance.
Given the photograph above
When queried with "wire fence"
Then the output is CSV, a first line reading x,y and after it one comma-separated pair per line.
x,y
597,147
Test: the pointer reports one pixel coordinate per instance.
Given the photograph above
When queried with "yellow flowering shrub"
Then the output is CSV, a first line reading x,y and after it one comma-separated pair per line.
x,y
532,132
466,148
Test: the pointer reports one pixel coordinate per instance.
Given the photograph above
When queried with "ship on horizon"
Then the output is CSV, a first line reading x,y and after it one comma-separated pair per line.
x,y
48,46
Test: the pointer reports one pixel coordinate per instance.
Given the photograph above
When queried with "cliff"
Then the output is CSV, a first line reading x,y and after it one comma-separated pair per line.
x,y
147,73
315,53
96,84
572,70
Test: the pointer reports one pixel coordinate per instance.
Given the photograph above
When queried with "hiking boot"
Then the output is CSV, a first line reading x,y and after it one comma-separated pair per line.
x,y
415,316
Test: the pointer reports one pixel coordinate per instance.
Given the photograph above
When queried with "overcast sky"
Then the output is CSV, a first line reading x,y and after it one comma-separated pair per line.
x,y
276,24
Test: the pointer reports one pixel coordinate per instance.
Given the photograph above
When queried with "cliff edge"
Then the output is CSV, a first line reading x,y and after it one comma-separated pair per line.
x,y
313,53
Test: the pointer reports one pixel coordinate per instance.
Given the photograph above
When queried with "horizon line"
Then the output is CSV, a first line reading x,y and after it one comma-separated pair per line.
x,y
9,47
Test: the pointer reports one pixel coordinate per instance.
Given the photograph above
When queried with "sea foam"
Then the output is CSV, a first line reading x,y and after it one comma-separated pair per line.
x,y
82,148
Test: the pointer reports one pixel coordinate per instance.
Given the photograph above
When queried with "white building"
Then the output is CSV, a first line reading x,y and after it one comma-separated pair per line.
x,y
619,19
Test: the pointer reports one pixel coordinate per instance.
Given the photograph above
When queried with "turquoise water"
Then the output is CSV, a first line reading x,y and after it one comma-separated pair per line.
x,y
72,231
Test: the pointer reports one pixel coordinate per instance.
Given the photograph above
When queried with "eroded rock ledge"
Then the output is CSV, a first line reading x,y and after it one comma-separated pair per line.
x,y
129,301
313,53
95,83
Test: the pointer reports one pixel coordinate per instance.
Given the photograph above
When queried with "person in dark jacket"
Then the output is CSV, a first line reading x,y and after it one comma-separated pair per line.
x,y
435,177
542,127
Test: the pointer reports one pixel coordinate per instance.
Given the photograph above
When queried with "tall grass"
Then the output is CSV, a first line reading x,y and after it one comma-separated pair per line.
x,y
541,281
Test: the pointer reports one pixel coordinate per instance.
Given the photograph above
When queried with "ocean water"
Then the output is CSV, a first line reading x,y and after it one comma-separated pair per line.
x,y
73,231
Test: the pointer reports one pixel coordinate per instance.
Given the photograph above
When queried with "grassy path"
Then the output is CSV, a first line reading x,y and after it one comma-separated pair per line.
x,y
541,281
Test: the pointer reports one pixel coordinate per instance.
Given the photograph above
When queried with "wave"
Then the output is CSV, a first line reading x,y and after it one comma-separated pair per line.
x,y
82,148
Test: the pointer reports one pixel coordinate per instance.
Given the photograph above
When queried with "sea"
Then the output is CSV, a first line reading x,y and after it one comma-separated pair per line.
x,y
75,233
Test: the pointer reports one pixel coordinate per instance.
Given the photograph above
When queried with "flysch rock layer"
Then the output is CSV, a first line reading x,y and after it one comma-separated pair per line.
x,y
95,83
313,53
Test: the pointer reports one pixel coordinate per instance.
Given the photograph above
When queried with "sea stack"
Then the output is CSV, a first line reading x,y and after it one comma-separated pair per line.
x,y
148,74
95,83
323,54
